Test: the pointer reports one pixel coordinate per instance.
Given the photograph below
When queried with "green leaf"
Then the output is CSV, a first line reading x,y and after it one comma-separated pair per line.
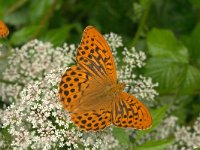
x,y
155,145
191,79
144,2
18,18
57,36
6,135
167,72
38,9
121,136
173,76
162,43
195,3
194,45
23,35
170,64
157,115
5,6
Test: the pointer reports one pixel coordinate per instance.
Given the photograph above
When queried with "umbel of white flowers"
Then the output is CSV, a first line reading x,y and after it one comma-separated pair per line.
x,y
35,118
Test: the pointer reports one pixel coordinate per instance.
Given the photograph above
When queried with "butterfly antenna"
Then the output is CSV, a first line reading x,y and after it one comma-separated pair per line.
x,y
127,88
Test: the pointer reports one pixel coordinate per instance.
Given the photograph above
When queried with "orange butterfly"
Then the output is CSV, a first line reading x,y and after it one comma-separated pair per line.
x,y
91,93
3,30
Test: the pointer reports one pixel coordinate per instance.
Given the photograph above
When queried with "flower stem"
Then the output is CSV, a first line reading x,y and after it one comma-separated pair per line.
x,y
10,82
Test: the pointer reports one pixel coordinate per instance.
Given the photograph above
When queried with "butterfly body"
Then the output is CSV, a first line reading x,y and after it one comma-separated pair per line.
x,y
91,93
114,89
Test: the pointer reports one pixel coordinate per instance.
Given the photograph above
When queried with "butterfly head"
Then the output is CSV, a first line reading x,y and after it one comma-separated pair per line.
x,y
122,85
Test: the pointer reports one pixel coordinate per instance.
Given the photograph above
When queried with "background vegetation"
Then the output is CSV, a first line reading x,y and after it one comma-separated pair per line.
x,y
167,30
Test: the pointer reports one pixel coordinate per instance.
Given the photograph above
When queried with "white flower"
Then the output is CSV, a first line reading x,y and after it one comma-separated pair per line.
x,y
144,88
186,137
167,127
114,40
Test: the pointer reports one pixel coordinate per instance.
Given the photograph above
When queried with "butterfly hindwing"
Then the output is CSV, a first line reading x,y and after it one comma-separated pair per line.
x,y
127,111
92,120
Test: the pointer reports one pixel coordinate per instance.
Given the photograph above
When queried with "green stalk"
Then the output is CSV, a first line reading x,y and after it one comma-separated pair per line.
x,y
142,22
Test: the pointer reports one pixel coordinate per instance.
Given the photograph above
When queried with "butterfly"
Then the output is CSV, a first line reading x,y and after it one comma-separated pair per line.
x,y
3,30
91,92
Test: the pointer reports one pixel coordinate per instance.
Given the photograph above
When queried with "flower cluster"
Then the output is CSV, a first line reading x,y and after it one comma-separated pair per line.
x,y
187,137
142,87
167,127
31,63
163,131
114,40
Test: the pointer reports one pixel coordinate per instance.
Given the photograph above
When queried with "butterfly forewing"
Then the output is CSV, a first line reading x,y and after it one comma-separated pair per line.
x,y
3,30
94,55
127,111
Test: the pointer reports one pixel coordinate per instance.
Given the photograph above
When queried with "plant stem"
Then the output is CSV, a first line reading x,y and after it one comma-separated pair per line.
x,y
142,22
10,82
15,6
45,19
